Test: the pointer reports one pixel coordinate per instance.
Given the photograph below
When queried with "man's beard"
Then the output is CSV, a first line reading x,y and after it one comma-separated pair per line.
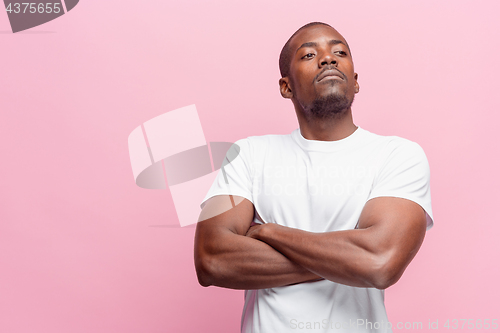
x,y
328,107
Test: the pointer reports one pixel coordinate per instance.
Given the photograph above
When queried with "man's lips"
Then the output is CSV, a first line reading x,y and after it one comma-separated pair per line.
x,y
330,73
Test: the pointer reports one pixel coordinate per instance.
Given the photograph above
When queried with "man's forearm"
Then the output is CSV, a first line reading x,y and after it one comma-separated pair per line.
x,y
239,262
336,256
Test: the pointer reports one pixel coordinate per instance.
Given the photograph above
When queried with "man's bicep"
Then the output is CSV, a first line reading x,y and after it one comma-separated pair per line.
x,y
231,212
396,229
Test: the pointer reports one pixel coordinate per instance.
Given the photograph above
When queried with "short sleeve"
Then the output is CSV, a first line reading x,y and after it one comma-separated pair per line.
x,y
405,174
235,175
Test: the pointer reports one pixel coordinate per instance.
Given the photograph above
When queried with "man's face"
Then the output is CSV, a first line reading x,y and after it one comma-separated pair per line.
x,y
321,72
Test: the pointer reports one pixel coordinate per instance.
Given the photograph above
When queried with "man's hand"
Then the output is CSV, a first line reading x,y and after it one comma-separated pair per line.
x,y
253,231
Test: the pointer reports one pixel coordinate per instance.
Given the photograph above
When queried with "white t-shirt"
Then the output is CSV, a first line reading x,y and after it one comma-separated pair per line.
x,y
321,186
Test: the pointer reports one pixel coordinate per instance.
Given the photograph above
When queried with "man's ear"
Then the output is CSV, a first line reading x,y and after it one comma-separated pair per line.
x,y
356,84
285,88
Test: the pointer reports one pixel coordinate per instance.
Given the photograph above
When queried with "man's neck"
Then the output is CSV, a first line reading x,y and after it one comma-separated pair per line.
x,y
327,129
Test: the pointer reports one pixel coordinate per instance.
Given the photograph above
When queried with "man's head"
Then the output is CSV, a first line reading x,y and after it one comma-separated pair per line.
x,y
318,72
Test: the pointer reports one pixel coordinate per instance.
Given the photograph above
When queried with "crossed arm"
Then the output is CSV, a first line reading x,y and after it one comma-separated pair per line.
x,y
231,253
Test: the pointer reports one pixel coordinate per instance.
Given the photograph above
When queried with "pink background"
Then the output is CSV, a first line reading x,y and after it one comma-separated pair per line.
x,y
83,249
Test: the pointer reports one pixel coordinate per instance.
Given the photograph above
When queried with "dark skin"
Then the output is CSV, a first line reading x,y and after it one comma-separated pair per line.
x,y
302,85
231,253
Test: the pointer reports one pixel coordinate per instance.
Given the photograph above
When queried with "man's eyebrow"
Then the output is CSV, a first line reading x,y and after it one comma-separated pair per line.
x,y
313,44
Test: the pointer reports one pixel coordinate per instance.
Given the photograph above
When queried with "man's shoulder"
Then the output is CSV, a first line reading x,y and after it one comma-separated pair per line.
x,y
393,150
392,142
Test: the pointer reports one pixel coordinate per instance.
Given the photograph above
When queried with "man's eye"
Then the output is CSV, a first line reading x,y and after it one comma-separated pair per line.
x,y
308,56
341,53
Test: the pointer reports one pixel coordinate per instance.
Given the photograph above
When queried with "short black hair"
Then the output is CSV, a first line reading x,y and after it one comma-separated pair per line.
x,y
286,52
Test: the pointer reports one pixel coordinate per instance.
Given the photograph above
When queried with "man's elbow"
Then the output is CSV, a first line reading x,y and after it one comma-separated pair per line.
x,y
384,281
204,270
385,275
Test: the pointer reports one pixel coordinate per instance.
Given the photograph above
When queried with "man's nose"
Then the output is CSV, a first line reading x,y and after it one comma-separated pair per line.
x,y
328,59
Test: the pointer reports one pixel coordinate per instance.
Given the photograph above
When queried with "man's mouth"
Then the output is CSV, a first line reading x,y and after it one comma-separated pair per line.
x,y
330,74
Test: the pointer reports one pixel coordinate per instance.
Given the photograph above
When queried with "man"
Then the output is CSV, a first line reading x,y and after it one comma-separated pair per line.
x,y
323,219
